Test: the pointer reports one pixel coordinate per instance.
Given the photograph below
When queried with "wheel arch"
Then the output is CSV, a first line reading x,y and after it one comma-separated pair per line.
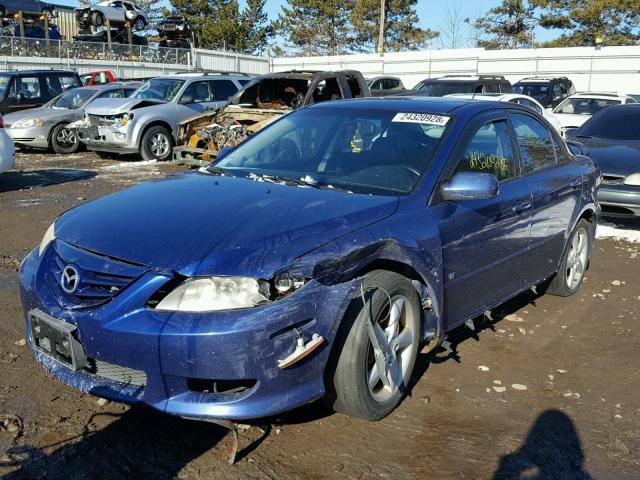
x,y
154,123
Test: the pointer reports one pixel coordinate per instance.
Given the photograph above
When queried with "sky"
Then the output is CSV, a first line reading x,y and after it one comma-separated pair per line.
x,y
432,13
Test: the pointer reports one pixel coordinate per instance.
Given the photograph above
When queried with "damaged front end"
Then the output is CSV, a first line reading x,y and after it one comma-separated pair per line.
x,y
203,136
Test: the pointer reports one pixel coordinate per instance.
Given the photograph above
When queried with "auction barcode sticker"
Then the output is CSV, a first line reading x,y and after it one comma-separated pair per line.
x,y
424,118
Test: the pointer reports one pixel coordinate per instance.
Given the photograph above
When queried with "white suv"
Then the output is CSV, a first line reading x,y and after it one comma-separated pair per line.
x,y
578,108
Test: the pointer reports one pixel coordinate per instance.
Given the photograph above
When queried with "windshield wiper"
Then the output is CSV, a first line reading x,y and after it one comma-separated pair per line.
x,y
306,181
218,171
583,136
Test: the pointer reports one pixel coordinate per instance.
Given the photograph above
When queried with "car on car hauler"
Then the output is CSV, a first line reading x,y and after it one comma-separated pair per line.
x,y
311,260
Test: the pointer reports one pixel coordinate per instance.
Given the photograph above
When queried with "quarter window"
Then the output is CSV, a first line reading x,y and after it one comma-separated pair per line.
x,y
535,142
489,151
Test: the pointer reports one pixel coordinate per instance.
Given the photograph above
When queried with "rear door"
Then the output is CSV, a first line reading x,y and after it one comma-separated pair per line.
x,y
555,183
483,240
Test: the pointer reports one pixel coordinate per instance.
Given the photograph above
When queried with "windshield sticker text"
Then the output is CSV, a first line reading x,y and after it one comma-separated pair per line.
x,y
424,118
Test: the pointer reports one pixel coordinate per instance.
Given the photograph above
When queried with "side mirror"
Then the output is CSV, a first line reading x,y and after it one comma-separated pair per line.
x,y
470,186
186,98
223,152
569,132
577,148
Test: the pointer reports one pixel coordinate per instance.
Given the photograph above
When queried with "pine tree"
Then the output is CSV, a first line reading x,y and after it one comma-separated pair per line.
x,y
255,27
509,25
401,25
316,27
616,22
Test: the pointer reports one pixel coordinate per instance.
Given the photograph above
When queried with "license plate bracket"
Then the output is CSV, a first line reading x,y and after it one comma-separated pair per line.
x,y
55,338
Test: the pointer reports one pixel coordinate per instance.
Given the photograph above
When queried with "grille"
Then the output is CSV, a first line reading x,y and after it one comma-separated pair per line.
x,y
100,278
125,375
612,179
100,120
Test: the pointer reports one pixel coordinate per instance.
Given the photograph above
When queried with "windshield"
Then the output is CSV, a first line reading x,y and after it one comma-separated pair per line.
x,y
164,89
4,82
72,99
537,91
357,150
616,124
584,106
440,89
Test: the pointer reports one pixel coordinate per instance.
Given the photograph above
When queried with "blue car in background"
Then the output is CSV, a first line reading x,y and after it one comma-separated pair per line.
x,y
312,260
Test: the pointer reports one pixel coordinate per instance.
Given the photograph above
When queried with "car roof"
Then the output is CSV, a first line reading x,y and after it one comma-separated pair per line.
x,y
599,95
39,72
541,79
416,104
113,85
211,75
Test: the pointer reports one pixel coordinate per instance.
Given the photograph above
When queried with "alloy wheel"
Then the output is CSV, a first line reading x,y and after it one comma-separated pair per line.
x,y
159,145
577,258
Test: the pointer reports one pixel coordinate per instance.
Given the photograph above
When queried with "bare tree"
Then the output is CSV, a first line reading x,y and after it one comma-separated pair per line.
x,y
452,28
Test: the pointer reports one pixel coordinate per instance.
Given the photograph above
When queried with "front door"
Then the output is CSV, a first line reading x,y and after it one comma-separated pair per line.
x,y
482,240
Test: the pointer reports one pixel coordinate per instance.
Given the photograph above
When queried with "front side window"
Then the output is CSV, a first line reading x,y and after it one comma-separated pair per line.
x,y
356,150
490,151
326,90
535,142
197,92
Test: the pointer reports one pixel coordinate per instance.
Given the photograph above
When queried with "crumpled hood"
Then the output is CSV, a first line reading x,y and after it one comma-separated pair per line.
x,y
615,157
202,224
116,106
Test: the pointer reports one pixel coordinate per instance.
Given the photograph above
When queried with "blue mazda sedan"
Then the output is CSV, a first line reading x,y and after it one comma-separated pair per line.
x,y
311,261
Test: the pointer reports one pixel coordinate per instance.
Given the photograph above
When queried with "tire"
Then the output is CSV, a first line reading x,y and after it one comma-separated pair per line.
x,y
569,277
64,140
353,363
157,144
139,24
97,19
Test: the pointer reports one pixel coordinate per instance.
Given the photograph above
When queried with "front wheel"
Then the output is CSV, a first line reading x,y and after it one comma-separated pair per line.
x,y
64,140
157,144
367,383
568,280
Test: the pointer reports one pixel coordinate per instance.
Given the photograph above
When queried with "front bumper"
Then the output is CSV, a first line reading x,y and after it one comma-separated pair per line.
x,y
108,139
34,137
179,351
621,201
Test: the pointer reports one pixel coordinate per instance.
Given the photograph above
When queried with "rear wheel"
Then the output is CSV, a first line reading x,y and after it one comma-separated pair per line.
x,y
64,140
364,384
568,280
157,144
97,19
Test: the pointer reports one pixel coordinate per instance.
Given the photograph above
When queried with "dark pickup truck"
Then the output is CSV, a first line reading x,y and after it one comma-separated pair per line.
x,y
262,100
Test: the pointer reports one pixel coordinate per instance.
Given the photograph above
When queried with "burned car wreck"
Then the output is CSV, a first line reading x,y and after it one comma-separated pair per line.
x,y
311,261
260,102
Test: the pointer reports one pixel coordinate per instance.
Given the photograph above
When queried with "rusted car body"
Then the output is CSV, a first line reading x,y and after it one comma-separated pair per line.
x,y
259,103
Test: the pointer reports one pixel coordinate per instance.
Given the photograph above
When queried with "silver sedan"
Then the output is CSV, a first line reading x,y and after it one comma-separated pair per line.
x,y
47,127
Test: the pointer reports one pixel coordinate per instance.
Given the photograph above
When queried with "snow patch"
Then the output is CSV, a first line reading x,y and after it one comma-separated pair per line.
x,y
617,232
129,165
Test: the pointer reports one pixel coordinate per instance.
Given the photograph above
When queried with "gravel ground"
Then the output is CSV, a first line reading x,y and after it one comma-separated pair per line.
x,y
550,389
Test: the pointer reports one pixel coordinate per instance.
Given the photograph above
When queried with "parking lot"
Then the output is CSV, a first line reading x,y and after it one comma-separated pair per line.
x,y
548,389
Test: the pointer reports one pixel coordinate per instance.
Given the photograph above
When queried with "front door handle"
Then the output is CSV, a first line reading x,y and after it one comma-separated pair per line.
x,y
521,206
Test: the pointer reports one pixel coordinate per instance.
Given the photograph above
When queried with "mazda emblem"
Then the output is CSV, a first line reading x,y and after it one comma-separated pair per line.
x,y
70,279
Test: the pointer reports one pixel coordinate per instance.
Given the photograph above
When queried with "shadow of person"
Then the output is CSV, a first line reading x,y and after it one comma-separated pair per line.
x,y
140,443
552,451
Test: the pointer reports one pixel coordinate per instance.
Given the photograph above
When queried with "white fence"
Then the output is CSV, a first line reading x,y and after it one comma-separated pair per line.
x,y
604,69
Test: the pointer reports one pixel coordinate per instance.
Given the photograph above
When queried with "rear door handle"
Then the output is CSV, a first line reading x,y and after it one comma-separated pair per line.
x,y
521,206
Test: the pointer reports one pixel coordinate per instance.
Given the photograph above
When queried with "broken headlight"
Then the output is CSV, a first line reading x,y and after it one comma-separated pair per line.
x,y
122,120
215,293
633,179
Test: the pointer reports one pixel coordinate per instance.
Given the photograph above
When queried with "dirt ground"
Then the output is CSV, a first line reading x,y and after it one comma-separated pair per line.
x,y
549,390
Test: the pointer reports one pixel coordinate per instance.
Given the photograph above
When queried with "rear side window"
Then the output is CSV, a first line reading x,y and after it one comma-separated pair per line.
x,y
489,151
536,144
223,89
